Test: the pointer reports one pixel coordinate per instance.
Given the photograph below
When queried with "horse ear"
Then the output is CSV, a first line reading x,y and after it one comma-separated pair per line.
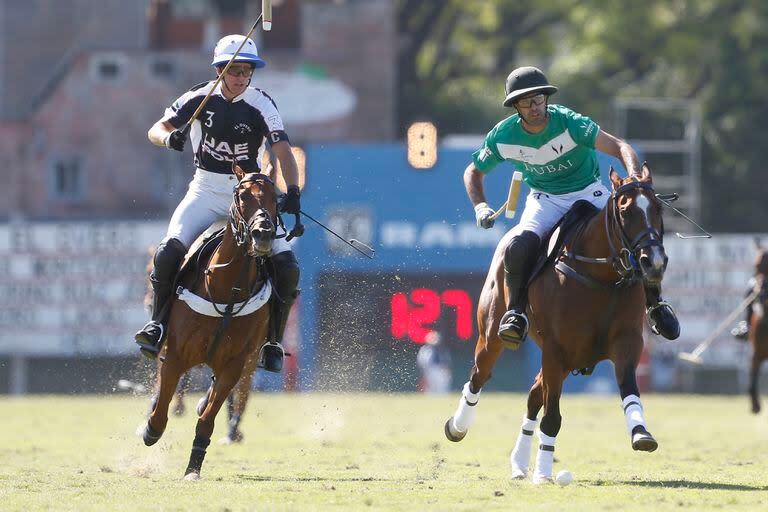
x,y
615,178
238,171
646,175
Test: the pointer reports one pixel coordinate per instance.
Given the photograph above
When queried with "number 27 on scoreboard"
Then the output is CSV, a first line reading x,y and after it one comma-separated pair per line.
x,y
414,314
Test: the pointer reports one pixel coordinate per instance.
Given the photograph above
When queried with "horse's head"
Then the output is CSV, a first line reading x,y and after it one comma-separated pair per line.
x,y
254,212
637,215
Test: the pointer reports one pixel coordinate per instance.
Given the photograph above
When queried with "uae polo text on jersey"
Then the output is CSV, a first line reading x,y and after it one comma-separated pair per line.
x,y
558,160
226,131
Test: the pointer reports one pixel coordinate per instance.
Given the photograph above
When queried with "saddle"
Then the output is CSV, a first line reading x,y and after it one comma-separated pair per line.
x,y
199,253
567,228
564,232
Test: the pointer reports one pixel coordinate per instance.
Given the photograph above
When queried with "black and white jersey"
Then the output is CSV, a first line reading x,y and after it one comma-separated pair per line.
x,y
226,131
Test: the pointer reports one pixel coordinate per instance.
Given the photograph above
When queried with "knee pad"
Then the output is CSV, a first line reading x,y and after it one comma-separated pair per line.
x,y
286,269
521,252
168,257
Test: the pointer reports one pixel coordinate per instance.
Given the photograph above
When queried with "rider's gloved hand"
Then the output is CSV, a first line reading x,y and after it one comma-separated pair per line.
x,y
291,201
176,140
484,216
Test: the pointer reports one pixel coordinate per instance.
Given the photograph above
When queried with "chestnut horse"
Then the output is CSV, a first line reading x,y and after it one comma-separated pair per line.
x,y
234,282
587,307
237,399
758,328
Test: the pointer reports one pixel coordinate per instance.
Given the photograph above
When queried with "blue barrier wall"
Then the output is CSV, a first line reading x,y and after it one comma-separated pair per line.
x,y
428,254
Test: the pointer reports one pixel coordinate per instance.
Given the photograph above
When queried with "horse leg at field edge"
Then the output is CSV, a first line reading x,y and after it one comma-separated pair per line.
x,y
488,348
239,399
489,345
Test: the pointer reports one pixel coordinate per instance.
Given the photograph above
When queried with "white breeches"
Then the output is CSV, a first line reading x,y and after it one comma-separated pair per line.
x,y
542,211
207,200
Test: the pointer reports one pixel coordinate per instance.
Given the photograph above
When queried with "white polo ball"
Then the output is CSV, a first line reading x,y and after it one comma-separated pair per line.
x,y
564,477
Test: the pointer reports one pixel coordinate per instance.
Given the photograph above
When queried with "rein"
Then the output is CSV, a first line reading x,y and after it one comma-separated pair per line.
x,y
242,235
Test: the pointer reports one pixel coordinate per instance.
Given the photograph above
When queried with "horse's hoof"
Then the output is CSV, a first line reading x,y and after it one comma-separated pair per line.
x,y
191,477
452,435
519,474
643,441
755,408
201,405
150,435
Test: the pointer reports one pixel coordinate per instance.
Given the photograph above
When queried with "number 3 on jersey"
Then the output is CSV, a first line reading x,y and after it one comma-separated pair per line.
x,y
209,121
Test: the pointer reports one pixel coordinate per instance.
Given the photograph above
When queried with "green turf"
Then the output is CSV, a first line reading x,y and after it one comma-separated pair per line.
x,y
380,452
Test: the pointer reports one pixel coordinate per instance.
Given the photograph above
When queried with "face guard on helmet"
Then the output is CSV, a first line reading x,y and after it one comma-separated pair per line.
x,y
524,81
228,45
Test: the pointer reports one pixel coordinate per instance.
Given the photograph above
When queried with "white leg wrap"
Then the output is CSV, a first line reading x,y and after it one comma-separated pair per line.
x,y
633,412
465,413
521,454
545,456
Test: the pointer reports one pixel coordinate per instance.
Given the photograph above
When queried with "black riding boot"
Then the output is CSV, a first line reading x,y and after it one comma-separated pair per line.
x,y
661,316
519,259
167,260
286,280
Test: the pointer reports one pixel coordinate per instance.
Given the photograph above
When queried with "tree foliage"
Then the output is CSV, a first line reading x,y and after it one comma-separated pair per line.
x,y
455,56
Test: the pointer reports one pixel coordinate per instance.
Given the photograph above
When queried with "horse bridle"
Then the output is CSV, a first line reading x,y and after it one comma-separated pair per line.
x,y
241,228
625,260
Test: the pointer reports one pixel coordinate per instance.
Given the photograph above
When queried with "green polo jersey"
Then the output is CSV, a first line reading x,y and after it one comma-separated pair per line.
x,y
559,159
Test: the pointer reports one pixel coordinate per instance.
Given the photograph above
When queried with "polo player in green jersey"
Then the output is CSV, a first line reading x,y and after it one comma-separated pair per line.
x,y
555,149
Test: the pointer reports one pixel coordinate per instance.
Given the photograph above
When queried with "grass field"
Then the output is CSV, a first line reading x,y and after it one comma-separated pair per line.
x,y
380,452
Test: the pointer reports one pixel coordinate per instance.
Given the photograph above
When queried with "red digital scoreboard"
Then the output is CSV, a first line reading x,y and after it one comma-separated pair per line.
x,y
415,313
396,307
372,324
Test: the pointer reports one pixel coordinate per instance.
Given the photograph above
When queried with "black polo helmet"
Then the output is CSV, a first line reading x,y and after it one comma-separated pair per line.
x,y
526,80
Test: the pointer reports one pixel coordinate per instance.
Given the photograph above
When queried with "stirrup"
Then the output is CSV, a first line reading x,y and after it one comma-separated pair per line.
x,y
148,346
271,357
511,333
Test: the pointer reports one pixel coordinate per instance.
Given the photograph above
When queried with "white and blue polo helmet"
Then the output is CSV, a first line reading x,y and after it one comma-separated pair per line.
x,y
228,45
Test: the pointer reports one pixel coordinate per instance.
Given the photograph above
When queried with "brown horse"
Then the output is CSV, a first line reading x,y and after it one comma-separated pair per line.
x,y
233,280
236,401
587,307
758,328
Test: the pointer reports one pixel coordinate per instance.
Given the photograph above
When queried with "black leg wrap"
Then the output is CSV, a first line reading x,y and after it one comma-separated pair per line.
x,y
197,455
234,430
151,436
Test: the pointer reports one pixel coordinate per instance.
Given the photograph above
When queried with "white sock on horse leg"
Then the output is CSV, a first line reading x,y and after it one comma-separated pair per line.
x,y
465,412
633,412
545,457
521,453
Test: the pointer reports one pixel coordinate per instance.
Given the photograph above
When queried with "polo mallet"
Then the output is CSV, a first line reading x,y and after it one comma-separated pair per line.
x,y
357,245
695,356
266,17
666,200
510,206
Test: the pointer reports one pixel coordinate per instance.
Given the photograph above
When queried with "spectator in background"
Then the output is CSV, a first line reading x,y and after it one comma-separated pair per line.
x,y
434,362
